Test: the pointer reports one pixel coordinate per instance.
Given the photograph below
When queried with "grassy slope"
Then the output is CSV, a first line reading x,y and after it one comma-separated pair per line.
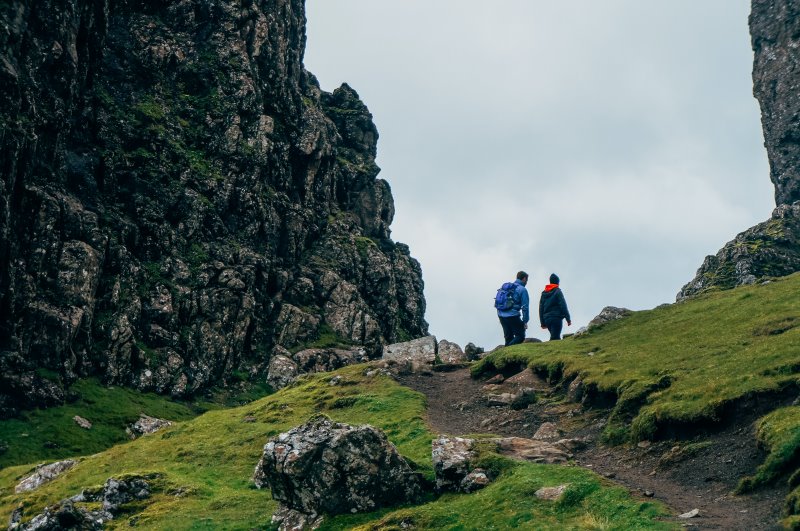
x,y
209,461
682,364
51,434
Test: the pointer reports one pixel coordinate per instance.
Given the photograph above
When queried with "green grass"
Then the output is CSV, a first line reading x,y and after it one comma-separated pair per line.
x,y
509,503
204,467
51,434
675,367
779,433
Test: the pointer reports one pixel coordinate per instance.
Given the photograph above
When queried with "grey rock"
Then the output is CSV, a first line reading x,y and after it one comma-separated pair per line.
x,y
282,371
61,516
606,315
551,493
288,519
776,72
500,399
690,514
115,493
532,450
82,422
547,431
496,379
770,249
147,424
576,389
450,352
452,461
475,480
44,474
422,350
315,360
324,467
472,352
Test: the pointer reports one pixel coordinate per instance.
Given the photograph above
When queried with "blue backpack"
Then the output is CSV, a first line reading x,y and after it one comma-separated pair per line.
x,y
504,300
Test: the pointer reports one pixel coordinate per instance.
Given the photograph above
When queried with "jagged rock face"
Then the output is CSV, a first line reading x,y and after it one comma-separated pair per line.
x,y
775,32
772,248
179,197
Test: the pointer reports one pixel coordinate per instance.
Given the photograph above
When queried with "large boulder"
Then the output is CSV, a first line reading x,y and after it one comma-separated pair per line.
x,y
421,350
325,467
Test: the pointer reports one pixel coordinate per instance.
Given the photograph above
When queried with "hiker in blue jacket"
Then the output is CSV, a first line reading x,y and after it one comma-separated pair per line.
x,y
514,326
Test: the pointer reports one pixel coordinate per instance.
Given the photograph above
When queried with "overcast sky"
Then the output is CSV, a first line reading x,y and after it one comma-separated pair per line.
x,y
614,142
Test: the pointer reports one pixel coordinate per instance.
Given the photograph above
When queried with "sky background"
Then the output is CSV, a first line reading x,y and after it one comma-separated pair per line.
x,y
614,142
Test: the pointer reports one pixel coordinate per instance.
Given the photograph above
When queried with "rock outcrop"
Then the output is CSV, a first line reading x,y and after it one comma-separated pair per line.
x,y
111,497
147,425
772,248
775,33
44,474
324,467
285,367
178,197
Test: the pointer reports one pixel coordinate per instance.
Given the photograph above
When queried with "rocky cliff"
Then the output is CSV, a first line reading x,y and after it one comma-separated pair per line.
x,y
179,198
771,248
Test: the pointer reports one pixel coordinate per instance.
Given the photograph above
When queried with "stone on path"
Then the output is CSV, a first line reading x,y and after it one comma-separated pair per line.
x,y
421,350
547,430
450,353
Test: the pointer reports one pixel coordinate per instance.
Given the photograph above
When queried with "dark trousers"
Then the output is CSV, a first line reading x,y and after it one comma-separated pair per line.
x,y
555,329
513,329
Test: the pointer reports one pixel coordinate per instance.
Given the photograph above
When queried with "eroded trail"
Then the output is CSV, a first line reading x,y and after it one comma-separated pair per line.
x,y
698,474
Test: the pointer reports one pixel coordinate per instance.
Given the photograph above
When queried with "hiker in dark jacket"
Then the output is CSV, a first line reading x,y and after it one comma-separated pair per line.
x,y
514,326
553,309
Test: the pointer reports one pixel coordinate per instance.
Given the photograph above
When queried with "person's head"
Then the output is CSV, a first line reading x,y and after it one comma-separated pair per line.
x,y
554,279
522,276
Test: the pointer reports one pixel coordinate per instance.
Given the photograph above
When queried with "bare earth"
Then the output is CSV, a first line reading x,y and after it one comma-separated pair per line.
x,y
457,405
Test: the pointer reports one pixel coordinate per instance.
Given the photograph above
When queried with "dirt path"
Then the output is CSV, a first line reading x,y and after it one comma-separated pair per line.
x,y
683,476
